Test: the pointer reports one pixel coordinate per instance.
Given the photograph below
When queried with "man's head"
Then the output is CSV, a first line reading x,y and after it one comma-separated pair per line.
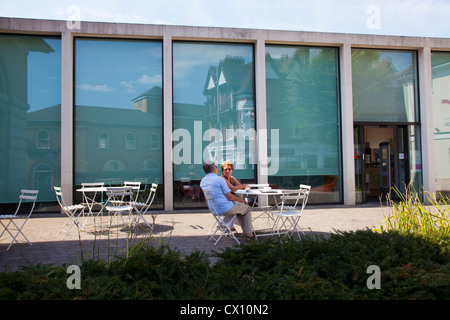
x,y
209,166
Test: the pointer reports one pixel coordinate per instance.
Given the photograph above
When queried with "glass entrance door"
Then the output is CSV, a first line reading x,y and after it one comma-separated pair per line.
x,y
381,161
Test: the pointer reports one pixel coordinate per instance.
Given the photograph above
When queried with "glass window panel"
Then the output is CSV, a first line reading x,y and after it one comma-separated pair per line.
x,y
118,98
213,114
384,86
30,116
440,62
303,120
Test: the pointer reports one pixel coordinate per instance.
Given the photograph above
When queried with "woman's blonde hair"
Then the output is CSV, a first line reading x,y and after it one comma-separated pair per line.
x,y
227,163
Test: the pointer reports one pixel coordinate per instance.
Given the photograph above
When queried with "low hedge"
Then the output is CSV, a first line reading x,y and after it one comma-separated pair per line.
x,y
314,268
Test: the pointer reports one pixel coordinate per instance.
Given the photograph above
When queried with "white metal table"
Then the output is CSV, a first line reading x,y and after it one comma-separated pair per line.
x,y
257,193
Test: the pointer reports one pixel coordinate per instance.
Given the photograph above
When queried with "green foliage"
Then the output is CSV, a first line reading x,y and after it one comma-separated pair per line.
x,y
422,214
412,267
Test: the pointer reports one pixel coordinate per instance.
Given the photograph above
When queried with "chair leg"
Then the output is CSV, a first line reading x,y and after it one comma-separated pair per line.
x,y
19,231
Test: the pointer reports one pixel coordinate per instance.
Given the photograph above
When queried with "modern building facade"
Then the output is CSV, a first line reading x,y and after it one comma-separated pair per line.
x,y
351,115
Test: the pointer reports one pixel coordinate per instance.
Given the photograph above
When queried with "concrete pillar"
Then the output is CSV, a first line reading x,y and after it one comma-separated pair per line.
x,y
168,126
261,112
426,116
67,182
348,162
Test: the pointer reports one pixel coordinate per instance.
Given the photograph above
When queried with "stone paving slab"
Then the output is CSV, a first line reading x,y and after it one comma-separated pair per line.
x,y
186,231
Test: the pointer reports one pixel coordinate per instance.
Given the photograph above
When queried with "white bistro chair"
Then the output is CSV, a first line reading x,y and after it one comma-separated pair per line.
x,y
73,212
119,202
142,207
222,226
136,185
287,216
25,196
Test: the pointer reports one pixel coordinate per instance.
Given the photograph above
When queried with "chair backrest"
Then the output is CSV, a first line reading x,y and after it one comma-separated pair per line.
x,y
59,196
210,202
92,184
300,196
151,195
136,185
119,195
27,196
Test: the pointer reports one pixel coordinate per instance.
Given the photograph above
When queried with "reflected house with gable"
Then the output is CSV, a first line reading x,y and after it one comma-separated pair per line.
x,y
229,99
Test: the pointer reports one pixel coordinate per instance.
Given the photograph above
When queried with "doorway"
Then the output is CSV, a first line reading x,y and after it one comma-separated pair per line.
x,y
381,161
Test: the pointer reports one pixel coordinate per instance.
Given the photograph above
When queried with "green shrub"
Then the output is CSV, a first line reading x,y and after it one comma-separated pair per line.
x,y
412,267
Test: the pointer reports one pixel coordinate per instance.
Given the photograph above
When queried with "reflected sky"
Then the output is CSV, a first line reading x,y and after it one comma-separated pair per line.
x,y
112,73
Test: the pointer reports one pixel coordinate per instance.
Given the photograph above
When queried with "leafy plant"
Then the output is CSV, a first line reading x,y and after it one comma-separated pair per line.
x,y
429,217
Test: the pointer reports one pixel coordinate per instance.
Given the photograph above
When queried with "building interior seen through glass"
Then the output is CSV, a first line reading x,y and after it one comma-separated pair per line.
x,y
387,131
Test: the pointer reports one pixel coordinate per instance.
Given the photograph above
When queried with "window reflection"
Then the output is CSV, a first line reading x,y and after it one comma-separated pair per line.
x,y
441,120
118,98
302,104
214,117
384,85
30,116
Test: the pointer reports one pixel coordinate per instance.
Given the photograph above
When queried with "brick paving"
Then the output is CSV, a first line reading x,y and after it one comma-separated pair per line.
x,y
185,231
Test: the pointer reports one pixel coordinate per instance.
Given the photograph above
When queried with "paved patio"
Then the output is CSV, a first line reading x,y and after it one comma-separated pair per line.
x,y
186,231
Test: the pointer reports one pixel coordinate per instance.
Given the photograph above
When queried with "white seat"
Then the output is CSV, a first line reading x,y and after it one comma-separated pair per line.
x,y
25,196
142,207
119,202
73,212
222,226
288,216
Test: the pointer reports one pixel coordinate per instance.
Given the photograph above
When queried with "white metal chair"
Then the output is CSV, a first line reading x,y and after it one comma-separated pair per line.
x,y
119,202
73,212
222,226
90,198
142,207
136,185
288,216
25,196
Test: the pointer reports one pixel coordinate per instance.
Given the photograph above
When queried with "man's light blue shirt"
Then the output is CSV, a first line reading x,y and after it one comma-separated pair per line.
x,y
218,188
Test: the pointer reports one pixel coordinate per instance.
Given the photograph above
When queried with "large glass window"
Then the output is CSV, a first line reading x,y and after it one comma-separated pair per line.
x,y
384,85
441,112
213,114
385,105
303,120
118,98
30,116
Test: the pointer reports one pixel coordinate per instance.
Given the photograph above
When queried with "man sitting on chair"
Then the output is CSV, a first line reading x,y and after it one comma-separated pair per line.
x,y
225,202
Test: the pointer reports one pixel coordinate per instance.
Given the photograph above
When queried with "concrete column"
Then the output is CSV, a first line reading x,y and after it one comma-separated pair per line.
x,y
348,162
426,115
67,116
167,127
261,113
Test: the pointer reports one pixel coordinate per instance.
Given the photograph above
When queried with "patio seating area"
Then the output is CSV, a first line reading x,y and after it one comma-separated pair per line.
x,y
186,231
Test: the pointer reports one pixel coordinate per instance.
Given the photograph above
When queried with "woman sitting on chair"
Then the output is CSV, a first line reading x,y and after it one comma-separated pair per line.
x,y
232,182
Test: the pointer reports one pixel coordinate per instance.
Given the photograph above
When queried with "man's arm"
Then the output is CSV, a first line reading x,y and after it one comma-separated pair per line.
x,y
232,197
